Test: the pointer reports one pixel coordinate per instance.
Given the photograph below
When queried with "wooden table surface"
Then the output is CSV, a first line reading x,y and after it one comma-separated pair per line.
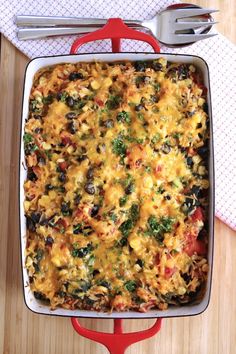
x,y
23,332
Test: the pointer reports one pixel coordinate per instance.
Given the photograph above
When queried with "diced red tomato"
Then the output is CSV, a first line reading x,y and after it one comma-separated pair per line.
x,y
158,169
36,170
63,165
82,213
190,237
169,272
63,245
61,225
99,102
79,212
191,151
194,245
157,259
66,140
197,215
197,246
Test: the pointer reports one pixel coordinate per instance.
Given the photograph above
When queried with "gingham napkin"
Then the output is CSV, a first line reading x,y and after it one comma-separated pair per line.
x,y
219,53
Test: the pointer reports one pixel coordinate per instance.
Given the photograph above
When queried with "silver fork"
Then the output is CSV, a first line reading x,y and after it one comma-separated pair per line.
x,y
168,26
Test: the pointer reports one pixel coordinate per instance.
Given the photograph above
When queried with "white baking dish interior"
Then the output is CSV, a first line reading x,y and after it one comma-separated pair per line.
x,y
39,307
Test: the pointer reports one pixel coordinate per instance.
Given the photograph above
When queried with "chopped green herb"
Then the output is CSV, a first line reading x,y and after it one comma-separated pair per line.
x,y
130,286
104,110
33,106
157,228
123,200
134,212
176,183
119,147
27,138
122,242
128,184
126,227
48,99
156,138
123,117
167,142
48,153
130,188
77,229
91,260
160,190
81,252
39,254
83,286
177,135
29,145
127,181
148,169
140,116
113,102
113,217
133,139
64,96
140,80
79,104
157,86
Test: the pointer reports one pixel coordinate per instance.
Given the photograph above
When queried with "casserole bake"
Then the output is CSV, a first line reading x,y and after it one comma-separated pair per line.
x,y
116,185
199,305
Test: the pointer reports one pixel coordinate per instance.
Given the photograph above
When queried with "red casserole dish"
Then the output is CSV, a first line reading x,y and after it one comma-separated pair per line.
x,y
115,29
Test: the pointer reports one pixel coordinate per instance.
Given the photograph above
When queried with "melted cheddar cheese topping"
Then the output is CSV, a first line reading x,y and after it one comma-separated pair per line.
x,y
117,185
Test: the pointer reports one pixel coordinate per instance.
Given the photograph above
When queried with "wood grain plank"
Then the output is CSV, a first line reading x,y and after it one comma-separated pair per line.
x,y
22,332
5,158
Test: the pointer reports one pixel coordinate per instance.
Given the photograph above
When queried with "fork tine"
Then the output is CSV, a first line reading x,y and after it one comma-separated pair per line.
x,y
188,25
190,38
180,13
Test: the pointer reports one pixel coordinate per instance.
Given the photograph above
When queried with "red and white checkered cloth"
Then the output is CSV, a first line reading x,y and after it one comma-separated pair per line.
x,y
219,53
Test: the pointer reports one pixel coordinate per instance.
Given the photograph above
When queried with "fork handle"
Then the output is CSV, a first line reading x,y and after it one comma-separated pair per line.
x,y
36,33
52,21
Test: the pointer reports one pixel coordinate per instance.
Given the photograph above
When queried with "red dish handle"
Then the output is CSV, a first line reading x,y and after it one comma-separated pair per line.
x,y
118,341
115,29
